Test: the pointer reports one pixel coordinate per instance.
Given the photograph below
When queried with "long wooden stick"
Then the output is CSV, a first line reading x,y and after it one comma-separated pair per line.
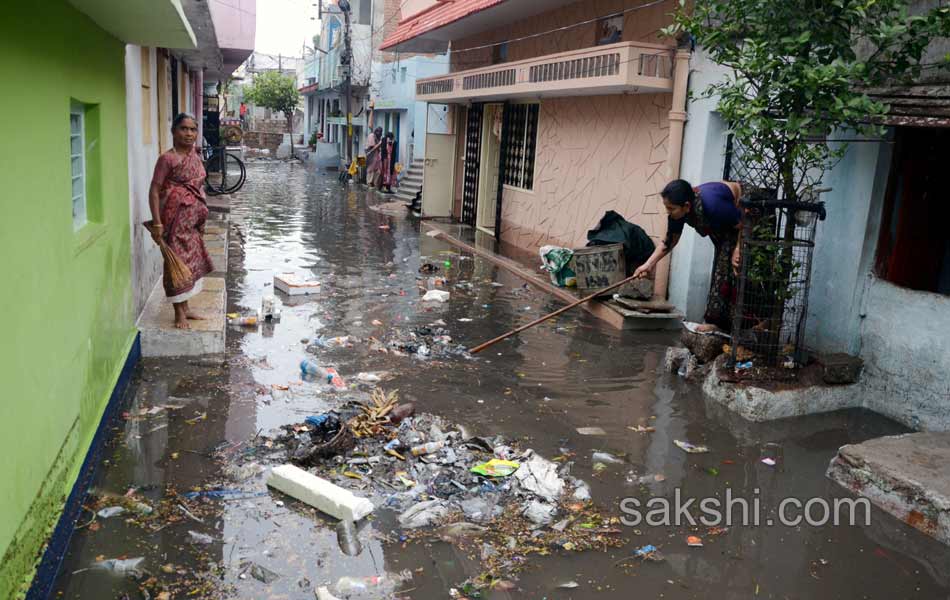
x,y
482,346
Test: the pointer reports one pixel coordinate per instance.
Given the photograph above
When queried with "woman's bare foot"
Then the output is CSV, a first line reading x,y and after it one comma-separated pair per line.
x,y
705,328
181,316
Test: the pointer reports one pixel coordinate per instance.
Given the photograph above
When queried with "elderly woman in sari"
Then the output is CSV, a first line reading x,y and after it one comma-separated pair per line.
x,y
387,166
177,200
373,143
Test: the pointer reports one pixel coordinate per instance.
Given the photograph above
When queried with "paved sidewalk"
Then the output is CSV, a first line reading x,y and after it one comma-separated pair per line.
x,y
159,335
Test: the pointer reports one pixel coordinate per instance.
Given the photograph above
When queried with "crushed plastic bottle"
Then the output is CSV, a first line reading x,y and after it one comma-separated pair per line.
x,y
358,586
428,448
310,368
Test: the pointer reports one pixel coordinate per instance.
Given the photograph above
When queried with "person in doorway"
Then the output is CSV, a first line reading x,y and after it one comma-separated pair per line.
x,y
387,164
177,201
373,143
243,112
712,209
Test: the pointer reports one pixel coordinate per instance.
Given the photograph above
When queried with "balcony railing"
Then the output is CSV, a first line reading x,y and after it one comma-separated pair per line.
x,y
626,67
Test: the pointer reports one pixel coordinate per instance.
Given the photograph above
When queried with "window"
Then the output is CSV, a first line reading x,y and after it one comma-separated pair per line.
x,y
610,30
913,249
499,53
521,124
402,75
393,75
77,159
146,96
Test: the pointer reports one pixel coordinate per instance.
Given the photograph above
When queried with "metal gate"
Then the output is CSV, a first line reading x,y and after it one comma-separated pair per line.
x,y
473,150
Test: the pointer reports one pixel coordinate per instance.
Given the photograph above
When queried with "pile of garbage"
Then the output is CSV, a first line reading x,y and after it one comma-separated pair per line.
x,y
483,494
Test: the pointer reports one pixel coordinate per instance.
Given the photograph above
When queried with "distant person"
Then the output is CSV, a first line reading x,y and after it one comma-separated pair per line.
x,y
177,200
373,143
712,209
388,165
243,112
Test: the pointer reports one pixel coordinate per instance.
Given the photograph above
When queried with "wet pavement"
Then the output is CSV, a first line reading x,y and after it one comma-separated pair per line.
x,y
189,422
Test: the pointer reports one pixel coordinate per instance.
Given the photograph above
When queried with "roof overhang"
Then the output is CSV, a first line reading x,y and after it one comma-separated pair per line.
x,y
431,30
142,22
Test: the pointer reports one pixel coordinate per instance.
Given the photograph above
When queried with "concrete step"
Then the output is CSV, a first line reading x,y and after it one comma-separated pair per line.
x,y
404,196
157,321
410,185
907,476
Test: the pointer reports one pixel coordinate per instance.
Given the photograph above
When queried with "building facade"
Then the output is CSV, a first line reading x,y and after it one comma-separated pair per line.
x,y
880,280
552,113
66,234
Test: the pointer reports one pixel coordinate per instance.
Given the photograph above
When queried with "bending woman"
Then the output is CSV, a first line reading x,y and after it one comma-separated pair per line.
x,y
177,200
712,209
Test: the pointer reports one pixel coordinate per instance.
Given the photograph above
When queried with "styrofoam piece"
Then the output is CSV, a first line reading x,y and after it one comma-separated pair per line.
x,y
319,493
293,285
436,296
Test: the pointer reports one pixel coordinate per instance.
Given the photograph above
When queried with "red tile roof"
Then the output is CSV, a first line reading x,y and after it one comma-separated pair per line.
x,y
439,15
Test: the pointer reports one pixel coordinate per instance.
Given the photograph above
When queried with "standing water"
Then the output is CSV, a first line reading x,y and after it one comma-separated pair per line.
x,y
187,443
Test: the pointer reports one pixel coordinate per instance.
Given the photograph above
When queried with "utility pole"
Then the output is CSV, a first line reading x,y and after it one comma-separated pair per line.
x,y
347,61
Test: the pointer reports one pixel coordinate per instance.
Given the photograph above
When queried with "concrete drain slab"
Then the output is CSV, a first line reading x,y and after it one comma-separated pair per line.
x,y
906,475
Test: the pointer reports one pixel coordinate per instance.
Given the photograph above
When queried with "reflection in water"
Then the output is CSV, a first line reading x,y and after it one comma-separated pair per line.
x,y
537,388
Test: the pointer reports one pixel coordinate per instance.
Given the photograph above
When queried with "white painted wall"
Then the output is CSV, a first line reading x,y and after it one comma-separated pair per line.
x,y
146,259
704,144
901,334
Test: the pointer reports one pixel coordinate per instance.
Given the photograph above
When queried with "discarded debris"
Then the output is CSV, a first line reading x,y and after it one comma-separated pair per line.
x,y
261,573
694,541
591,431
690,448
127,566
199,538
769,461
319,493
436,296
496,468
111,511
568,585
606,457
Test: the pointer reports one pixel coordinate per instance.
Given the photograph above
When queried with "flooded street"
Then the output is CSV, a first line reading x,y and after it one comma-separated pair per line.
x,y
190,424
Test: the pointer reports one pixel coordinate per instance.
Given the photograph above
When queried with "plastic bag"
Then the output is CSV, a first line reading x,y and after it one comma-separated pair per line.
x,y
555,260
496,468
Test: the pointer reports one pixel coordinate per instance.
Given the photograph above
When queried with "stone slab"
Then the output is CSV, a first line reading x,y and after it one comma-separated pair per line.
x,y
760,404
907,476
157,321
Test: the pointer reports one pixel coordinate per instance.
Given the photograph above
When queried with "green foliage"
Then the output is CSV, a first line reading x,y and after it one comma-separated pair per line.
x,y
275,91
800,69
313,139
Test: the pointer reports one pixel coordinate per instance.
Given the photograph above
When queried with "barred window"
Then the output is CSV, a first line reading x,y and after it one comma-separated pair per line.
x,y
521,124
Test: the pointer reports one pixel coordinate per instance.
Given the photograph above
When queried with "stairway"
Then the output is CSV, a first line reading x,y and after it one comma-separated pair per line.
x,y
410,183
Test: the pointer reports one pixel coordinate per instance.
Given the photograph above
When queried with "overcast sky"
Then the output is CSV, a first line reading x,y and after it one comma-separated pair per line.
x,y
284,25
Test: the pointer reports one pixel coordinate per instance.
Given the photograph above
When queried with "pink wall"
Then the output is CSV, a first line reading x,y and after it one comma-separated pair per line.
x,y
640,25
235,22
594,154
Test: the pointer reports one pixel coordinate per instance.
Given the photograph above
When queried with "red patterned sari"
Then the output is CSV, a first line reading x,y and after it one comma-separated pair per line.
x,y
183,214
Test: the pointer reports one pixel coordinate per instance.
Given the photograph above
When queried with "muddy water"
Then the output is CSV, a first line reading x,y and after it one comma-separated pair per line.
x,y
537,388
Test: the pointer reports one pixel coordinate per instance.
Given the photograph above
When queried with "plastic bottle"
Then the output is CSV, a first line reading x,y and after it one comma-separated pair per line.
x,y
244,320
427,448
311,368
364,585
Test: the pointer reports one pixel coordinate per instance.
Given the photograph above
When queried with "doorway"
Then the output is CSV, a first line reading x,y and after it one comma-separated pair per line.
x,y
490,159
473,152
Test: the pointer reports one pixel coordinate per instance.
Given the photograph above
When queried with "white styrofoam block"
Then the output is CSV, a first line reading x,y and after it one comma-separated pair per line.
x,y
436,296
319,493
294,285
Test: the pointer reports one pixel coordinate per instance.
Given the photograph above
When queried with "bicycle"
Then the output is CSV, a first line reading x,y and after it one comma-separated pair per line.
x,y
226,172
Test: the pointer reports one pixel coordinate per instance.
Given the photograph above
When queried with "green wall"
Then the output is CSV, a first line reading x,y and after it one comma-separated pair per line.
x,y
65,298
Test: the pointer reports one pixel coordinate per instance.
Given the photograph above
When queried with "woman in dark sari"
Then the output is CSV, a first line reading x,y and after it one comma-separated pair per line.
x,y
712,209
177,200
387,165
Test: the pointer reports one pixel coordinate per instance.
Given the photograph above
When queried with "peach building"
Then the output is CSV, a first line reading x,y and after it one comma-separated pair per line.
x,y
551,114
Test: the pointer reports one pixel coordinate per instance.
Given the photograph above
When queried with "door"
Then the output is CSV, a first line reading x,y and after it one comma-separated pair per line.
x,y
488,173
473,151
438,178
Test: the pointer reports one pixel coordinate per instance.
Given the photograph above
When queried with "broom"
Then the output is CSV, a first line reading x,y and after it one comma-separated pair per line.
x,y
178,272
